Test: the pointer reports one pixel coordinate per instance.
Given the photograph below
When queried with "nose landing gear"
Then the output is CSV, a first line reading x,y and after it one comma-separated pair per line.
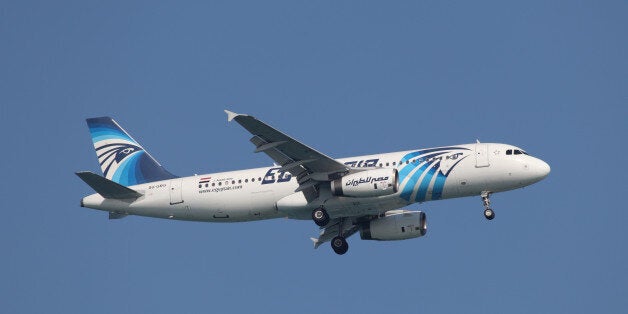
x,y
488,212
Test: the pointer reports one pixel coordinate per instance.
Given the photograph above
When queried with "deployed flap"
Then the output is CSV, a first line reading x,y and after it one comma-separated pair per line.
x,y
303,162
107,188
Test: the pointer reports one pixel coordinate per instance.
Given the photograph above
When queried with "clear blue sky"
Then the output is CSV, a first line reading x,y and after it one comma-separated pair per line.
x,y
347,78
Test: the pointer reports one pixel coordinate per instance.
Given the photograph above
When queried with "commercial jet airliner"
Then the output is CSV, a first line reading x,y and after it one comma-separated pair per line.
x,y
343,196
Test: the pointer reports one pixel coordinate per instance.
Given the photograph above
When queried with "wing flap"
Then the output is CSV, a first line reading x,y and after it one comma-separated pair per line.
x,y
107,188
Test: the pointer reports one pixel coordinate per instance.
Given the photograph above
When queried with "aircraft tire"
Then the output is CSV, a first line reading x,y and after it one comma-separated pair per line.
x,y
320,217
489,214
340,245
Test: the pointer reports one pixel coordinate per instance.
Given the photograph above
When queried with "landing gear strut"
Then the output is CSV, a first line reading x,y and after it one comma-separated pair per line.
x,y
339,243
488,212
320,217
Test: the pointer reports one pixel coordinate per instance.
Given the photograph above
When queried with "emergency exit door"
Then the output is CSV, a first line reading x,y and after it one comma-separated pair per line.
x,y
481,155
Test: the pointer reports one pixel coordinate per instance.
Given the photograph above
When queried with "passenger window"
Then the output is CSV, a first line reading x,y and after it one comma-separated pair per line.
x,y
380,164
259,179
214,184
253,180
233,182
246,180
509,152
206,184
219,183
394,163
387,164
200,186
407,162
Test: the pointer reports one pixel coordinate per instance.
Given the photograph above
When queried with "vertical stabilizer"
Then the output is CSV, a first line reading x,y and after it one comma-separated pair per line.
x,y
122,159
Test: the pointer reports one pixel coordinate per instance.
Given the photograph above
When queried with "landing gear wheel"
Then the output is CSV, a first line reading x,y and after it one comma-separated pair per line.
x,y
320,217
489,214
340,245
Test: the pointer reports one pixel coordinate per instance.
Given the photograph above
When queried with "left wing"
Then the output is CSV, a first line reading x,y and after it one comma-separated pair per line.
x,y
306,164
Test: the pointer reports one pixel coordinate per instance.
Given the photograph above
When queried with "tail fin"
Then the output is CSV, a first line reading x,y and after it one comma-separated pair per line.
x,y
122,159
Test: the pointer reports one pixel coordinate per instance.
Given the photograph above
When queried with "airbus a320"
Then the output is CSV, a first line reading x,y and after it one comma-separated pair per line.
x,y
342,196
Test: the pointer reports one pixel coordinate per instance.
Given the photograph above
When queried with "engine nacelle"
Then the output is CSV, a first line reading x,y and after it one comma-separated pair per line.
x,y
369,183
395,225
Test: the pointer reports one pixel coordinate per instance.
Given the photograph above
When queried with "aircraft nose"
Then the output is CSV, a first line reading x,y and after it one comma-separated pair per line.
x,y
542,169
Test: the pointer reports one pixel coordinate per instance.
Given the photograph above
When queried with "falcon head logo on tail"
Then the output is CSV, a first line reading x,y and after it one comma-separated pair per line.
x,y
121,158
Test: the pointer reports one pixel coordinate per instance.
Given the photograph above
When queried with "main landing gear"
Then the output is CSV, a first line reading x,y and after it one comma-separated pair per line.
x,y
339,243
320,217
488,212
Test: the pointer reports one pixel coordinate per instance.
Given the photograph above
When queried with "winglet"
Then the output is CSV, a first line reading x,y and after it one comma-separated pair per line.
x,y
231,115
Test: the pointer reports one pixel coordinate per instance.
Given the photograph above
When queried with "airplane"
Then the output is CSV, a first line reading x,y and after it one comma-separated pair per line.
x,y
343,196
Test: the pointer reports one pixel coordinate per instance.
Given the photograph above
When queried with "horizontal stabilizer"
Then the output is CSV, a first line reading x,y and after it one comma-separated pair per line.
x,y
107,188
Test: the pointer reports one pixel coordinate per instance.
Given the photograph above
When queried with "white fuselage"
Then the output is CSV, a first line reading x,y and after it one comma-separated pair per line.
x,y
266,193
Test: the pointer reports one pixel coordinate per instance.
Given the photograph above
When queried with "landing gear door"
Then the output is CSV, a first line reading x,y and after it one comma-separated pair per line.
x,y
481,155
176,195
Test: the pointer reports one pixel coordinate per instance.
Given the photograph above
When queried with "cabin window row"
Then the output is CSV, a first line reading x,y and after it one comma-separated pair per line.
x,y
394,163
227,182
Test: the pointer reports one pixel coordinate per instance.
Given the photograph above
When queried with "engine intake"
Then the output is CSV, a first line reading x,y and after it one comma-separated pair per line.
x,y
369,183
395,225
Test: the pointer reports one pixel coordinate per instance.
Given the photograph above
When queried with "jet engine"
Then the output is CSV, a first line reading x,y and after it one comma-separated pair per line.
x,y
395,225
369,183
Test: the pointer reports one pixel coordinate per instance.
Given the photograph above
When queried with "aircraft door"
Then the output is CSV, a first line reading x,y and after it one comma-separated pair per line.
x,y
176,193
481,155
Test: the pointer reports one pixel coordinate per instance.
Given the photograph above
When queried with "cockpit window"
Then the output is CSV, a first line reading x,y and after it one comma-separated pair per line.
x,y
509,152
517,152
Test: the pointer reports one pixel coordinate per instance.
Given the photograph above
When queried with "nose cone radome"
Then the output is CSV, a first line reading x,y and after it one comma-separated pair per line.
x,y
545,169
541,169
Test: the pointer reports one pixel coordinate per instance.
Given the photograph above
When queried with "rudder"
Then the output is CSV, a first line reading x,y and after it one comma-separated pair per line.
x,y
122,159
